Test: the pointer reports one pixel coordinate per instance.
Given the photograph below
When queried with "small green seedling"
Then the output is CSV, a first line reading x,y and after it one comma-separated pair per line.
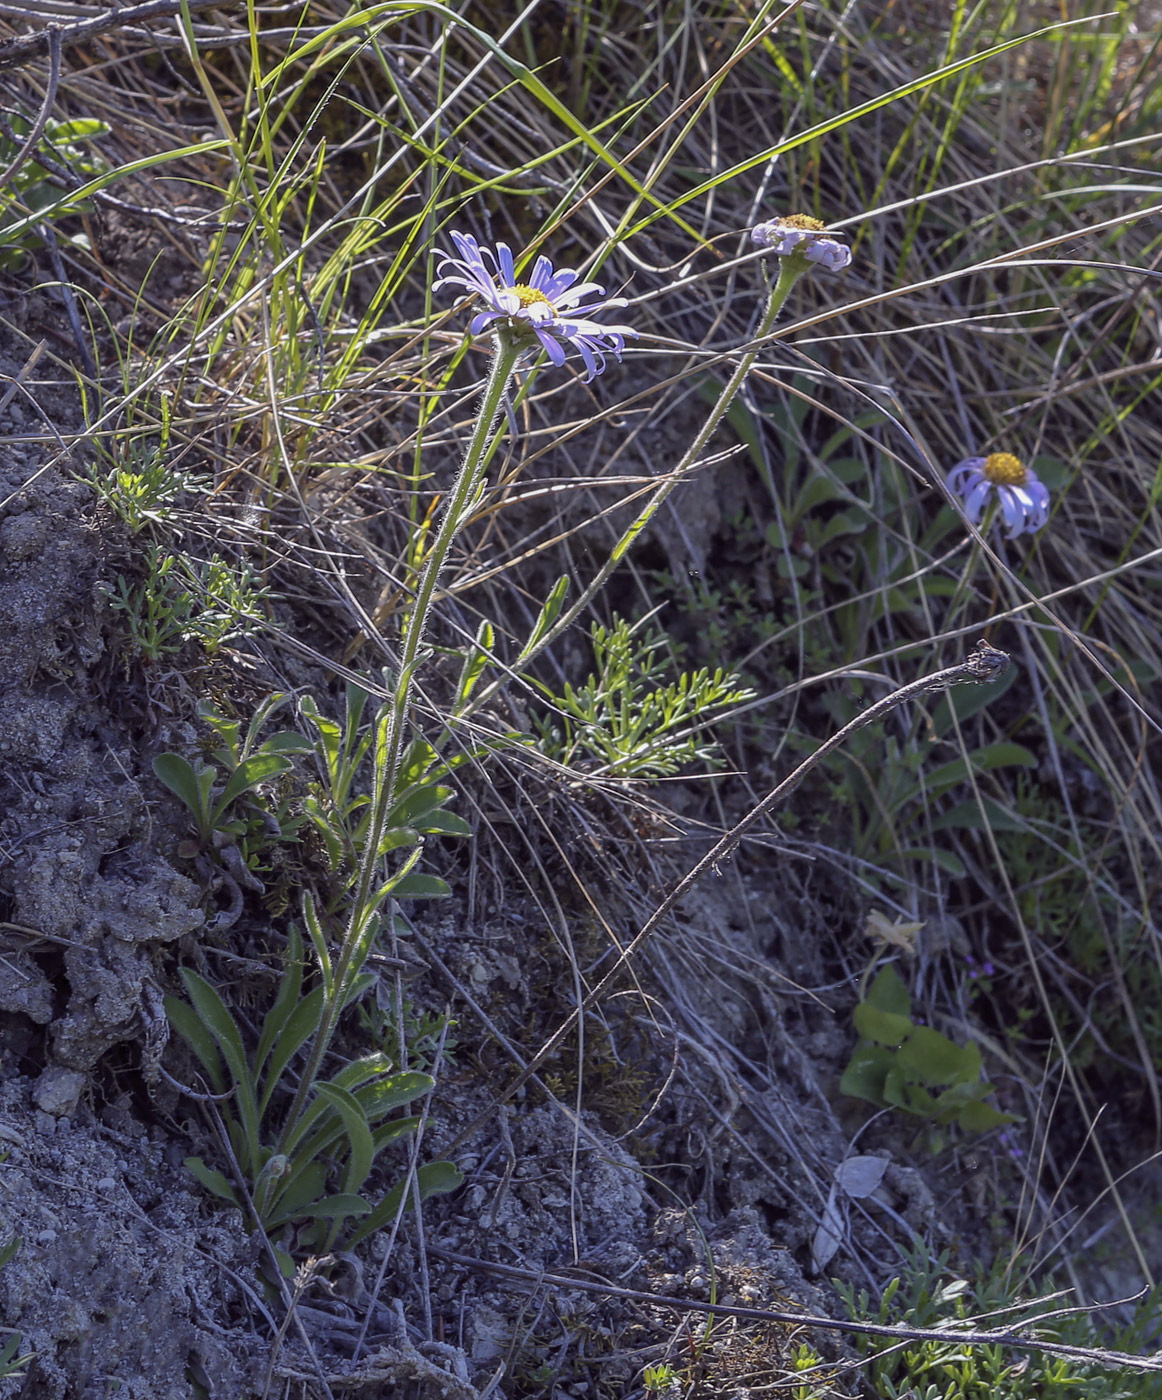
x,y
899,1064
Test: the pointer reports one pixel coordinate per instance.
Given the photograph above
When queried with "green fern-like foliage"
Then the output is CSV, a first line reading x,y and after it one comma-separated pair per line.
x,y
626,721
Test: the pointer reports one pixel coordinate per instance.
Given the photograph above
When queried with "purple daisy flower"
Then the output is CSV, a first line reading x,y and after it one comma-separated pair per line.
x,y
800,232
545,309
1024,501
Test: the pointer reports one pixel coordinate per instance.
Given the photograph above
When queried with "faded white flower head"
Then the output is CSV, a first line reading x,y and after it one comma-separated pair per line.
x,y
805,237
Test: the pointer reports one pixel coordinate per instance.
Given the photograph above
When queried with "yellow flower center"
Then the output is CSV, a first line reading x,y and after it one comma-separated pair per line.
x,y
529,296
804,222
1003,469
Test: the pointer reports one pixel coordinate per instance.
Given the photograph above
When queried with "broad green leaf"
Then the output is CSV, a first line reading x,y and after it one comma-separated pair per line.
x,y
301,1024
213,1181
964,701
362,1152
287,741
318,941
414,886
419,758
889,992
902,1093
216,1018
393,1131
474,664
301,1188
337,1207
981,1117
443,824
433,1179
258,768
79,129
360,1071
184,1020
418,802
381,1096
883,1027
865,1074
934,1059
184,781
966,816
1003,755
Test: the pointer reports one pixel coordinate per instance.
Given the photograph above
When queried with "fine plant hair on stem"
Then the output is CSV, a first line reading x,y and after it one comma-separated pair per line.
x,y
983,665
361,923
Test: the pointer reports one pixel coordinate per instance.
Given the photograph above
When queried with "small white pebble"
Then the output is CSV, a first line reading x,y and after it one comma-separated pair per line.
x,y
46,1237
106,1183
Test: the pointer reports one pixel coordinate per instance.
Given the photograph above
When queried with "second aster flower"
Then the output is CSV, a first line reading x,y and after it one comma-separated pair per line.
x,y
801,235
547,308
1023,499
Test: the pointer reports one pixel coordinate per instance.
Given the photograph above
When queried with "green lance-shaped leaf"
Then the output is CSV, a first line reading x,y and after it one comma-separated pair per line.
x,y
302,1023
185,1021
550,612
474,664
192,785
216,1018
258,768
362,1151
289,987
432,1179
214,1181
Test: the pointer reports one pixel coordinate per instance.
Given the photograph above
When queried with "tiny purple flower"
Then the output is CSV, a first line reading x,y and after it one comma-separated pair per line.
x,y
1023,499
545,309
805,236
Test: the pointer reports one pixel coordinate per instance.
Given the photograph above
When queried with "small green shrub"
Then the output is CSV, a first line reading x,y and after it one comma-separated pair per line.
x,y
927,1295
184,600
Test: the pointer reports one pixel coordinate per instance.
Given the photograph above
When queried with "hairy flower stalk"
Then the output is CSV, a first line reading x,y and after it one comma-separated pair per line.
x,y
795,258
523,317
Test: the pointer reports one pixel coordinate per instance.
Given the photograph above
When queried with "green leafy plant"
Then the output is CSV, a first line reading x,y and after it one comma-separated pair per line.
x,y
64,155
300,1179
927,1295
339,807
184,600
627,720
137,479
225,797
899,1064
658,1380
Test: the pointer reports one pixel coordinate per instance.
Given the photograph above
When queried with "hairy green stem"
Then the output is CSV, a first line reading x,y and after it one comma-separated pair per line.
x,y
361,923
790,269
